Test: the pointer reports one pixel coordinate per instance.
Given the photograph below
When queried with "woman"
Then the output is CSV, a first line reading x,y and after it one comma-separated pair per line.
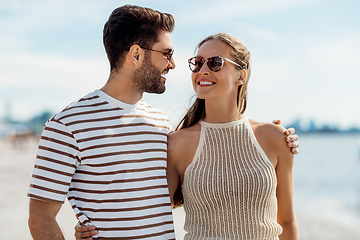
x,y
232,174
235,173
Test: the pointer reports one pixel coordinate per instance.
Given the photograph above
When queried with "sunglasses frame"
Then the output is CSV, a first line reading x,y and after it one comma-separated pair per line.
x,y
168,55
223,59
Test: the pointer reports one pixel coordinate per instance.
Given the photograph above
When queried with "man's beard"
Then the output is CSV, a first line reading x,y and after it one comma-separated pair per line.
x,y
148,78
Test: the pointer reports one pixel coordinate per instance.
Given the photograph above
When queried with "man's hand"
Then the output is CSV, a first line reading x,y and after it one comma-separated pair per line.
x,y
85,232
42,220
291,138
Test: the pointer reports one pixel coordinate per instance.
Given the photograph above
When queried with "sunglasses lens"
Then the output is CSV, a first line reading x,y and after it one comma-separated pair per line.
x,y
196,64
215,63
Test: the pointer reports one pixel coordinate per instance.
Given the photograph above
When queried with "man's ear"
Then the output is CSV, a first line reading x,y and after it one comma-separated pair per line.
x,y
135,54
242,77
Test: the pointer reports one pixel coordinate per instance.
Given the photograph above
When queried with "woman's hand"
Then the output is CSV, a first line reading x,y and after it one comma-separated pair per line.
x,y
85,232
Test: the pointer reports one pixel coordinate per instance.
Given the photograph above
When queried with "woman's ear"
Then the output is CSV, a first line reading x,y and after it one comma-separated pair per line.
x,y
135,54
242,77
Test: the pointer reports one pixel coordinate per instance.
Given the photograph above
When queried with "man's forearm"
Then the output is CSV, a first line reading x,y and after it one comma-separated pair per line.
x,y
45,229
42,220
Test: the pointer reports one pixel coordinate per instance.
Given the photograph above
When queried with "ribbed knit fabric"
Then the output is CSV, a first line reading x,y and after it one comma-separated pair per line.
x,y
229,188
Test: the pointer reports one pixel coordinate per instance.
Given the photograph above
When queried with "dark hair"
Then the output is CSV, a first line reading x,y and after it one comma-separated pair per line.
x,y
129,25
241,55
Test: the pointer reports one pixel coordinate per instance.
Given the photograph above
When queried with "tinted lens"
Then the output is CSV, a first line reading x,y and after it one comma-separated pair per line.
x,y
215,63
196,64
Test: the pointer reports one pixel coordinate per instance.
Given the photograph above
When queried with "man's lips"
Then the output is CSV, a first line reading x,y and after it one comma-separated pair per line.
x,y
166,71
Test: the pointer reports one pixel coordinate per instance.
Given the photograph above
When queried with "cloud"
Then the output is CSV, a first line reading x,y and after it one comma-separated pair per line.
x,y
220,10
49,69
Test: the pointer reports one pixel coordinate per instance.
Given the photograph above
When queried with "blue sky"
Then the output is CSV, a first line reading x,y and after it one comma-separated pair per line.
x,y
305,55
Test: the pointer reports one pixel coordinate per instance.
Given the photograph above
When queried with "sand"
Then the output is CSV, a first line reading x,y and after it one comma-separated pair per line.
x,y
16,163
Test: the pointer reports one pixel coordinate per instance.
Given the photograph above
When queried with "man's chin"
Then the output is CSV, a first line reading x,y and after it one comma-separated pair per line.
x,y
157,91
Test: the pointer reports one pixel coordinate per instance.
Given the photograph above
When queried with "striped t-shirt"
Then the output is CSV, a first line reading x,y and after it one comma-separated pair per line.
x,y
109,159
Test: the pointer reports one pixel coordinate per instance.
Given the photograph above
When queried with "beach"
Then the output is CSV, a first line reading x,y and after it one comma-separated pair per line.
x,y
16,163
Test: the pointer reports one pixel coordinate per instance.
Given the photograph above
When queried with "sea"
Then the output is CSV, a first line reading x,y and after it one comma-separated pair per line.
x,y
327,177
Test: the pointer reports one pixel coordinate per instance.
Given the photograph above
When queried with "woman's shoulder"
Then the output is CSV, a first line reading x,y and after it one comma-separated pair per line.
x,y
182,145
183,137
273,141
274,133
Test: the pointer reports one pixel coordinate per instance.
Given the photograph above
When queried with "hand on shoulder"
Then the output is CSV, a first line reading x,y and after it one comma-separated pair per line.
x,y
272,139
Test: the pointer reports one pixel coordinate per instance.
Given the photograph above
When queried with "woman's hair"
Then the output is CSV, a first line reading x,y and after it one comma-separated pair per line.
x,y
129,25
239,54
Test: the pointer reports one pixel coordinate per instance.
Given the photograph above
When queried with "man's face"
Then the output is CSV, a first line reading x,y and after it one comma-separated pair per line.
x,y
150,77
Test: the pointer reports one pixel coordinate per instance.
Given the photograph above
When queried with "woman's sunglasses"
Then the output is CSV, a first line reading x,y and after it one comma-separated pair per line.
x,y
214,63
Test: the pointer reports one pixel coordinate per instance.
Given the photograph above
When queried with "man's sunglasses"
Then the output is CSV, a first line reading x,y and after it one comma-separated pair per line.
x,y
214,63
168,54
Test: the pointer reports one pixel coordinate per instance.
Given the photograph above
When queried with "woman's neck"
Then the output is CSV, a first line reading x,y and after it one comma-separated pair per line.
x,y
218,112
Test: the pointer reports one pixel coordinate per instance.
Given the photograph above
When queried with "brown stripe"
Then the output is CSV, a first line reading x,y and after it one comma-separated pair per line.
x,y
85,222
123,209
137,237
147,110
90,105
53,171
47,189
117,200
117,181
44,199
120,171
123,153
120,135
117,126
114,118
135,228
89,112
79,214
55,161
56,151
131,218
59,142
122,144
125,161
117,190
50,180
58,131
89,98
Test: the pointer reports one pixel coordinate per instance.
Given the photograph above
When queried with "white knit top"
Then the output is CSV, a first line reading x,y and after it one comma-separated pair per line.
x,y
229,188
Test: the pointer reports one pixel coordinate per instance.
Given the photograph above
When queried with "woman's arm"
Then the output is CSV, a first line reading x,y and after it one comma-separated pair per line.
x,y
285,188
172,175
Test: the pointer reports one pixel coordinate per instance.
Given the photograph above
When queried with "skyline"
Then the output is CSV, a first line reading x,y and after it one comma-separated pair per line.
x,y
305,60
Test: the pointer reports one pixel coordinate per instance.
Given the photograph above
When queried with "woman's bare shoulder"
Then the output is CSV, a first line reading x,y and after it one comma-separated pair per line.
x,y
268,130
183,137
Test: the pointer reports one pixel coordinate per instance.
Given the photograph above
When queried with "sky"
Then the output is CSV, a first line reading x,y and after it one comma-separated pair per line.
x,y
305,55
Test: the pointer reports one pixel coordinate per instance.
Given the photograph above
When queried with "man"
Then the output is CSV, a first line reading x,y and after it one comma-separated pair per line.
x,y
107,151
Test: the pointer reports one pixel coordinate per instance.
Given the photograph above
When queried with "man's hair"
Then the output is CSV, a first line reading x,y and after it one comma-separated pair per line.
x,y
129,25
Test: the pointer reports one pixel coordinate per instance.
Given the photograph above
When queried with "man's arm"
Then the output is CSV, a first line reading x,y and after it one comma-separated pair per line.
x,y
42,220
291,138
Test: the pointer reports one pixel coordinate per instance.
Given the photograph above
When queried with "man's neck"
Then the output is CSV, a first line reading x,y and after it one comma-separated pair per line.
x,y
121,87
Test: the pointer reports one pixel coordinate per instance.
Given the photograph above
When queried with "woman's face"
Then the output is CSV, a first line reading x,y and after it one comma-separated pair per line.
x,y
222,84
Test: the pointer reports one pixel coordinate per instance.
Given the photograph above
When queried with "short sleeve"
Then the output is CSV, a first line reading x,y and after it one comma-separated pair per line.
x,y
56,161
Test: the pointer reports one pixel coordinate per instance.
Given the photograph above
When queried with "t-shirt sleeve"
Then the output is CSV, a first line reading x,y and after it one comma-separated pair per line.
x,y
56,161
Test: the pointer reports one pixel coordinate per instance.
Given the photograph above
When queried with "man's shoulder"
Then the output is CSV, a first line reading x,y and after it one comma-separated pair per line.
x,y
151,111
90,100
143,105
